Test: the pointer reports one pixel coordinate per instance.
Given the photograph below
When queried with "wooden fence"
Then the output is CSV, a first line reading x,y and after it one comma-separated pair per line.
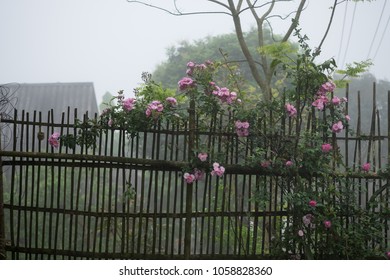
x,y
126,198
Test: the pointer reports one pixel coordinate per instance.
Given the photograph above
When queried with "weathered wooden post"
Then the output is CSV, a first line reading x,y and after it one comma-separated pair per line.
x,y
189,190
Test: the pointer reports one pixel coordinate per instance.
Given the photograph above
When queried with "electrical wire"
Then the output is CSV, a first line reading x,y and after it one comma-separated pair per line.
x,y
383,35
376,30
349,35
342,31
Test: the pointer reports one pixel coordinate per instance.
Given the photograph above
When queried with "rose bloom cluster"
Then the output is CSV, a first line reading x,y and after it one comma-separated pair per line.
x,y
218,170
322,100
309,219
156,107
225,95
242,128
197,174
193,67
189,83
194,176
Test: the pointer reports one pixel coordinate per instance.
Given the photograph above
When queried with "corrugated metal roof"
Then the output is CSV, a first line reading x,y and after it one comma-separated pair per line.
x,y
42,97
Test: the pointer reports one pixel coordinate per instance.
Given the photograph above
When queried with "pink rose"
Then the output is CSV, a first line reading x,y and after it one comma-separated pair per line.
x,y
171,100
337,127
186,83
289,163
301,233
366,167
326,87
336,101
202,156
54,140
313,203
327,224
320,102
190,64
201,66
291,110
189,178
326,147
128,104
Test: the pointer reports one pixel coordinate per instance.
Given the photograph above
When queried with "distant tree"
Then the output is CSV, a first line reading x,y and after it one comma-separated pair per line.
x,y
221,47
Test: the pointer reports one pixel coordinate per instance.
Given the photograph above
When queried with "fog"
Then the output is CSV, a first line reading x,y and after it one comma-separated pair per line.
x,y
110,43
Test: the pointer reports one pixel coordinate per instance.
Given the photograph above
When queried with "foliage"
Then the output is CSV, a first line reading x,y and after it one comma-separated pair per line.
x,y
353,70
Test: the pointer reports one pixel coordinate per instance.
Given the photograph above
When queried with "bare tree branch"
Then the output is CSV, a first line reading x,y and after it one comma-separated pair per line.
x,y
327,29
260,6
281,17
219,3
178,12
295,21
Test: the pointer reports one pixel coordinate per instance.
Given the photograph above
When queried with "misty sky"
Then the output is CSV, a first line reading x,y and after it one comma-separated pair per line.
x,y
111,42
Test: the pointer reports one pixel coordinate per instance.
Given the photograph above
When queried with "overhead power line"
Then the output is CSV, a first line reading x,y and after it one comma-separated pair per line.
x,y
342,31
376,30
383,35
349,35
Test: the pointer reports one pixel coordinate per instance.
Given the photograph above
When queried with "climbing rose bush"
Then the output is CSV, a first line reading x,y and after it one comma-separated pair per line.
x,y
225,95
312,196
